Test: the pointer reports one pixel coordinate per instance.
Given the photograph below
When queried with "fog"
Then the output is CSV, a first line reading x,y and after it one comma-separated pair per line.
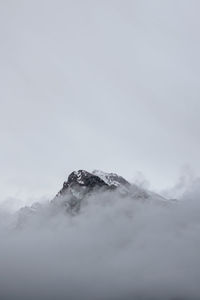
x,y
114,248
97,84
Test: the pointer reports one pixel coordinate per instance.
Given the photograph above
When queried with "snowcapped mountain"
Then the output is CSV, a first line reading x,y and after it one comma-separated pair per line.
x,y
84,180
82,185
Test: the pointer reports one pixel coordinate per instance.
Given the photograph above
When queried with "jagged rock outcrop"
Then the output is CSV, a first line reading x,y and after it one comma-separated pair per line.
x,y
82,179
86,181
80,186
82,183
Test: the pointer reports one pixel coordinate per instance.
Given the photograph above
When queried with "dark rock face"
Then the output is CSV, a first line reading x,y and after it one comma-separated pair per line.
x,y
84,179
81,184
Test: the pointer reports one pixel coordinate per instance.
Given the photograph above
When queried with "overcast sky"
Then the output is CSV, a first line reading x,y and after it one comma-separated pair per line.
x,y
111,85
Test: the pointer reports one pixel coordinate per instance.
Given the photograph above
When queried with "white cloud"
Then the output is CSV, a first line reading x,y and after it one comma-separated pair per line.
x,y
116,248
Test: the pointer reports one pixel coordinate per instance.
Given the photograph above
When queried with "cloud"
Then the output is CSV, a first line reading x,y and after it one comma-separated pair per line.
x,y
115,248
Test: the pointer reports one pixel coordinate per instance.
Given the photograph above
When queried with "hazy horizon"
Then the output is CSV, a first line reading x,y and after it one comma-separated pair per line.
x,y
110,85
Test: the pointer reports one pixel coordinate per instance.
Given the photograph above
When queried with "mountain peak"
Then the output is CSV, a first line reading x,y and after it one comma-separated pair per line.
x,y
82,179
81,184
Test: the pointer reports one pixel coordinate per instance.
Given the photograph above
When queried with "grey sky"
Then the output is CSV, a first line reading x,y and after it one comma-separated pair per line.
x,y
111,85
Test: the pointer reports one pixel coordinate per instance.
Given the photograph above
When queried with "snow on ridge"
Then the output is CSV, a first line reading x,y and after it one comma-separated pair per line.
x,y
110,178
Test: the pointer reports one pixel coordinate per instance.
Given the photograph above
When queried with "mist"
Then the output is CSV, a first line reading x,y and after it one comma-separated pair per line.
x,y
114,248
100,84
97,84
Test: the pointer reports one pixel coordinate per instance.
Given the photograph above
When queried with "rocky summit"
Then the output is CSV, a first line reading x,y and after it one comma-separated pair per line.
x,y
82,179
80,186
82,183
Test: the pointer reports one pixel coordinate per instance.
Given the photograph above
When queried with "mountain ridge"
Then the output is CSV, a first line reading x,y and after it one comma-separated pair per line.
x,y
81,185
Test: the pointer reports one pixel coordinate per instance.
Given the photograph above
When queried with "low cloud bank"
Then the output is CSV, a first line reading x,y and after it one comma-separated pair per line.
x,y
115,248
